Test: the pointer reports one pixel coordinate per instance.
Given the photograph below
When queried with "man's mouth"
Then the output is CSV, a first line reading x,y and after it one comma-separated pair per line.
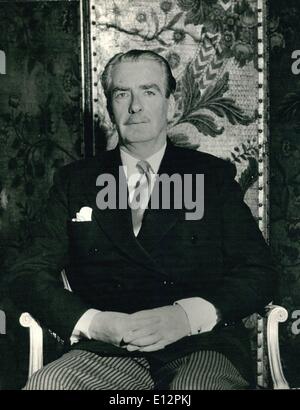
x,y
135,122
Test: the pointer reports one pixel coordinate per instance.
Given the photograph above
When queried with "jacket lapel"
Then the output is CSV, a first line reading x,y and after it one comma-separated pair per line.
x,y
116,223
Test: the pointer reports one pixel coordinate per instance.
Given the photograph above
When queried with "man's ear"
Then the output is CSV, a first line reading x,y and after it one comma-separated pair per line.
x,y
110,113
171,108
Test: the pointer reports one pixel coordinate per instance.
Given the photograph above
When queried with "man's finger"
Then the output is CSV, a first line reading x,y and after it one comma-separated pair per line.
x,y
139,333
154,347
146,341
132,348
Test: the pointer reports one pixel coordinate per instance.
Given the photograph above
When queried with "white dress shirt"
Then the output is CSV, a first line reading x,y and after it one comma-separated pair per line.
x,y
202,315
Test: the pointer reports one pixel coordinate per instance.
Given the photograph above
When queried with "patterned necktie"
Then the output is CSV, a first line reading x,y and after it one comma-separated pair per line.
x,y
141,195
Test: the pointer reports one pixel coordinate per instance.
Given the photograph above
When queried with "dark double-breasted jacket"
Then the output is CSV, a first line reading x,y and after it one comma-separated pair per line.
x,y
221,257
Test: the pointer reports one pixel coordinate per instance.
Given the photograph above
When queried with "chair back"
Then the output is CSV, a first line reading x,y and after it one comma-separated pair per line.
x,y
217,56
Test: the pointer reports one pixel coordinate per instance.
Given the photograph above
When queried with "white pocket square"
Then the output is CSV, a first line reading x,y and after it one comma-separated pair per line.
x,y
84,215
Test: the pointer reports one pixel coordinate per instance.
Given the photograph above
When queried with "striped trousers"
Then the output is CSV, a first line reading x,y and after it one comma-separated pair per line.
x,y
82,370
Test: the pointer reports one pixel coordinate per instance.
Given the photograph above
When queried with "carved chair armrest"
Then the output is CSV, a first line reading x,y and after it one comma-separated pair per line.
x,y
35,342
275,315
36,335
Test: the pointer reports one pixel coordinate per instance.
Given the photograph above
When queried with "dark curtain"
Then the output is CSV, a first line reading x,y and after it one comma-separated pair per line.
x,y
284,34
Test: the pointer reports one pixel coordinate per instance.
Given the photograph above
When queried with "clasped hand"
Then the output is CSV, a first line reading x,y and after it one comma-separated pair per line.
x,y
145,331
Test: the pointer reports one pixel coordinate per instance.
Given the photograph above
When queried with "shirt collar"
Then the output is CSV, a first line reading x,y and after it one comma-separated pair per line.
x,y
129,162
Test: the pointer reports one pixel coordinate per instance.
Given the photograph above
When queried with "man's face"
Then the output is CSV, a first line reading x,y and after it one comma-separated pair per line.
x,y
139,103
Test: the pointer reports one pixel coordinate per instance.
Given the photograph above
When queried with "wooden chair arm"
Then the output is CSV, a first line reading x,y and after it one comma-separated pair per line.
x,y
36,335
35,342
275,315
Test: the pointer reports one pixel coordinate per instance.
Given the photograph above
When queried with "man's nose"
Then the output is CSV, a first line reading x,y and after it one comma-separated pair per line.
x,y
135,104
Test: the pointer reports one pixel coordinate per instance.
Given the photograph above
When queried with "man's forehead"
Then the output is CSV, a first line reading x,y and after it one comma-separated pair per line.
x,y
144,70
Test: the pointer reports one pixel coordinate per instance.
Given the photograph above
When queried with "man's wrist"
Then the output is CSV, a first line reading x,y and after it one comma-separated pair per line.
x,y
201,313
82,327
185,318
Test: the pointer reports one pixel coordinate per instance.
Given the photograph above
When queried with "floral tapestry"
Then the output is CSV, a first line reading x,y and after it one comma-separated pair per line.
x,y
40,130
40,106
285,174
212,47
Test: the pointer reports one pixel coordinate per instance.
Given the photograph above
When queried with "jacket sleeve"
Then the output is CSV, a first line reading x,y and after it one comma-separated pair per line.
x,y
34,279
249,273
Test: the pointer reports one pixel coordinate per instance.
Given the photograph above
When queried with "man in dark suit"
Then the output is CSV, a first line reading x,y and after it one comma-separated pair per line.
x,y
157,297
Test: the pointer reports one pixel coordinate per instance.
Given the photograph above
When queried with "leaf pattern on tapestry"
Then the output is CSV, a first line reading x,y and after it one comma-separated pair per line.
x,y
197,10
249,176
40,126
290,106
195,105
213,100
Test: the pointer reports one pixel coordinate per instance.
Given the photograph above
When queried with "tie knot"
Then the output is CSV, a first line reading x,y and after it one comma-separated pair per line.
x,y
144,167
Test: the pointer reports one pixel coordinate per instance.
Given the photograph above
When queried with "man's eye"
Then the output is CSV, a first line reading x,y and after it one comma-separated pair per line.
x,y
121,95
149,92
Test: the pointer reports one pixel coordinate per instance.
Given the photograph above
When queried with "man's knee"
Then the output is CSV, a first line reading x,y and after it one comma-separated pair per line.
x,y
62,374
81,370
44,379
209,383
207,370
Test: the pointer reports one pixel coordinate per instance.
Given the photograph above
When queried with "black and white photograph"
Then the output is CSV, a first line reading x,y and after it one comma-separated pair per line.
x,y
149,197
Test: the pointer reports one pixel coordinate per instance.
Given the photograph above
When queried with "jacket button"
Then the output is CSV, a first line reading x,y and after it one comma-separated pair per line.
x,y
166,282
194,238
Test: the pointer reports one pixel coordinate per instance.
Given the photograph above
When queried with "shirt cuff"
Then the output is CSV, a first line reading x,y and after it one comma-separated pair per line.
x,y
81,328
202,315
